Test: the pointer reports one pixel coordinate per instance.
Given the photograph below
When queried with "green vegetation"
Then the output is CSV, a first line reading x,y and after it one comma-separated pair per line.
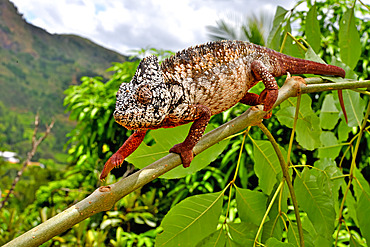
x,y
242,196
35,69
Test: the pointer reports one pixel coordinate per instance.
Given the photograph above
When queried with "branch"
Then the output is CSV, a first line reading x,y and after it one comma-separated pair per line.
x,y
35,144
103,198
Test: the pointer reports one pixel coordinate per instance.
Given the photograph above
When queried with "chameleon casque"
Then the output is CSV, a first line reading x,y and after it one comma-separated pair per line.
x,y
195,84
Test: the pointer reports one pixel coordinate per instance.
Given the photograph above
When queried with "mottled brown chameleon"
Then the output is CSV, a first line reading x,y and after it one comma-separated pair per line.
x,y
197,83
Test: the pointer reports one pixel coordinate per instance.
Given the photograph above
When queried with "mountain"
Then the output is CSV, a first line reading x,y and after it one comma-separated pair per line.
x,y
35,69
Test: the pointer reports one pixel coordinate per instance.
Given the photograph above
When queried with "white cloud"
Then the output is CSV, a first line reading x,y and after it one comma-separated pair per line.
x,y
123,25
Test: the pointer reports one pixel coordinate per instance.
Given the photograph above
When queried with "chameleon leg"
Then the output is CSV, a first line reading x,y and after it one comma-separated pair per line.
x,y
185,149
269,95
250,99
130,145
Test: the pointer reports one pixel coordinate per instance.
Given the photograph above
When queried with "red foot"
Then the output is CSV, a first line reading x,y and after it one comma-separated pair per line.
x,y
186,155
124,151
268,98
114,161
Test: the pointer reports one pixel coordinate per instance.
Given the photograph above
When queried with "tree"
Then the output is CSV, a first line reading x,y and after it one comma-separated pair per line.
x,y
324,157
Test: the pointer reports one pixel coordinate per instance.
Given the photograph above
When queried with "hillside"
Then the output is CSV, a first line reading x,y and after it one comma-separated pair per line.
x,y
35,69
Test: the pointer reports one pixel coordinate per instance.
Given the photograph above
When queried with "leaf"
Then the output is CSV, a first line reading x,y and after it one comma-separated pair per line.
x,y
312,29
290,46
165,139
329,114
308,124
251,205
351,204
355,106
360,185
215,239
312,56
330,147
266,165
308,132
243,233
275,226
273,242
311,236
316,201
349,39
363,212
189,221
273,40
343,131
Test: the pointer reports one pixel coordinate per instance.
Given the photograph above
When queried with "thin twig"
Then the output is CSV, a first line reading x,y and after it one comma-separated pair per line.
x,y
284,168
35,143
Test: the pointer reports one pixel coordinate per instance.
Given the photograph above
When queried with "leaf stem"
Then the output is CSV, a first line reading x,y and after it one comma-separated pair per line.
x,y
284,168
353,165
267,212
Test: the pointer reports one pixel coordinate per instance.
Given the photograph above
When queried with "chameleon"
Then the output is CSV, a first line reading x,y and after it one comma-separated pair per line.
x,y
197,83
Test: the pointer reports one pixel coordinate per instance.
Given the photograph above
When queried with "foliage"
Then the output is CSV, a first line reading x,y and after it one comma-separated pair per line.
x,y
242,197
35,68
321,189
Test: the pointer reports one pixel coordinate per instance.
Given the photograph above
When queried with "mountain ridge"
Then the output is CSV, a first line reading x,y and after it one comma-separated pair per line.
x,y
35,69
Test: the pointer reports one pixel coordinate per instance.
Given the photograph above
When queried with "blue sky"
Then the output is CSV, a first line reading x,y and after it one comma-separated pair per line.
x,y
124,25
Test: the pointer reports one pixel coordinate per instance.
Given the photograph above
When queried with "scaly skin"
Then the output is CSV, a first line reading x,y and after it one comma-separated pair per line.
x,y
197,83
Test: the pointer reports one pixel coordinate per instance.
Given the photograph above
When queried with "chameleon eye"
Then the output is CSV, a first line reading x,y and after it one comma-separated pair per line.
x,y
144,94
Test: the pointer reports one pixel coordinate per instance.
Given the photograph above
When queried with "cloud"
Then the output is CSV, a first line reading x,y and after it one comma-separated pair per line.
x,y
123,25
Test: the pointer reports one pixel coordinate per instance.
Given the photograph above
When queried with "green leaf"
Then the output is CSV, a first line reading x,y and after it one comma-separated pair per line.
x,y
343,131
243,233
349,39
312,29
165,139
275,226
311,236
273,242
329,174
330,147
189,221
316,201
351,204
329,114
266,165
312,56
360,185
308,124
251,205
308,132
355,107
363,212
273,40
215,239
290,46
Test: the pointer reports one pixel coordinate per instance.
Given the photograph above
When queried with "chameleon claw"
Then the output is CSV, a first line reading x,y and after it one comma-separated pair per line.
x,y
114,161
268,98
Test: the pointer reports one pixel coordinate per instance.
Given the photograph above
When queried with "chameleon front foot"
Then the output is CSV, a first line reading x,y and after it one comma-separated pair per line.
x,y
130,145
186,155
114,161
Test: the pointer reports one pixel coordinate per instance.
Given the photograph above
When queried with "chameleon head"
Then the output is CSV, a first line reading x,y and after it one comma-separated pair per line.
x,y
144,102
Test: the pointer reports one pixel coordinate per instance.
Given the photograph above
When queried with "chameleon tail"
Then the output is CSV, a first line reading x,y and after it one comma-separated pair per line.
x,y
300,66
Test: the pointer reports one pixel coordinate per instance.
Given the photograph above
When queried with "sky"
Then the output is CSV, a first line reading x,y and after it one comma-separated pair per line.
x,y
126,25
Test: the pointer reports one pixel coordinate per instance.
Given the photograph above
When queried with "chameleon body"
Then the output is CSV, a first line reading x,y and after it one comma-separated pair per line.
x,y
195,84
